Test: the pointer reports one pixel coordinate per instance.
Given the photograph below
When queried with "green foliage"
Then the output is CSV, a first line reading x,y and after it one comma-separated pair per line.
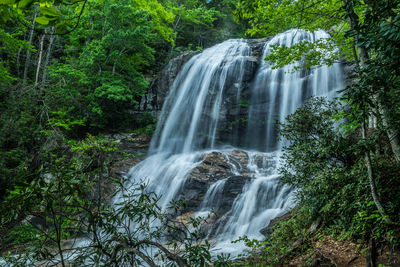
x,y
68,68
370,221
325,164
270,17
327,168
286,239
244,103
92,76
267,18
198,24
149,123
72,198
10,43
324,161
51,12
21,235
321,52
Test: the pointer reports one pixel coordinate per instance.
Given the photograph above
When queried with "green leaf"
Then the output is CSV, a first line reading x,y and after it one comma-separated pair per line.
x,y
24,4
42,20
49,11
7,2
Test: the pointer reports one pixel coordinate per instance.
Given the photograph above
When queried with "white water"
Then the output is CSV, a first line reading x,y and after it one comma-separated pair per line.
x,y
189,127
276,93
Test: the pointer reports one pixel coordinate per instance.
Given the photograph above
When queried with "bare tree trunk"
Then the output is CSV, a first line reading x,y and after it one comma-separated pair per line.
x,y
371,177
174,28
48,55
19,58
363,57
103,28
18,63
383,110
39,63
28,53
391,132
116,60
371,255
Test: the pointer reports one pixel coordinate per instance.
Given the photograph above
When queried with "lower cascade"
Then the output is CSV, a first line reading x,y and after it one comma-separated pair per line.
x,y
216,140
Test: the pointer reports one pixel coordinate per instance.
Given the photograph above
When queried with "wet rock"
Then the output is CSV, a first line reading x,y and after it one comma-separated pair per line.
x,y
215,167
134,149
185,218
233,187
349,72
269,229
158,90
257,46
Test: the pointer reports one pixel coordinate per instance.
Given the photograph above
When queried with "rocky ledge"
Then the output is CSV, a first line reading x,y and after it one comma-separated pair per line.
x,y
134,149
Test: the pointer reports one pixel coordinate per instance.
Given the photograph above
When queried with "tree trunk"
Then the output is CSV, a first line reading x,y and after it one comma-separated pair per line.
x,y
383,110
39,62
18,63
48,55
103,28
371,177
371,255
28,53
363,57
391,132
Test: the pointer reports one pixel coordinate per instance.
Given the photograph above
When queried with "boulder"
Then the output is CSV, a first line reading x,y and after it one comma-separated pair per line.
x,y
215,167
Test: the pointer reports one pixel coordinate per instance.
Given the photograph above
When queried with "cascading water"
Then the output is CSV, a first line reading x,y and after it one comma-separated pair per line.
x,y
276,93
189,119
191,112
195,119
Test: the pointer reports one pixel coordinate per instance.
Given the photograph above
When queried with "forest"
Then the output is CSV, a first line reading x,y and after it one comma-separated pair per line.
x,y
74,72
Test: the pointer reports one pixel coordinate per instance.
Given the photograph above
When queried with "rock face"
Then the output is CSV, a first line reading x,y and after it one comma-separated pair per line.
x,y
216,166
221,176
134,145
233,113
269,229
158,90
134,149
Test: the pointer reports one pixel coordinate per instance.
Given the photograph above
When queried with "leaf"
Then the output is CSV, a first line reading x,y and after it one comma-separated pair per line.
x,y
24,4
49,11
7,2
42,20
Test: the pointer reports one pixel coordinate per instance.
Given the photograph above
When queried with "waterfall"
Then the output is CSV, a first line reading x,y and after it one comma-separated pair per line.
x,y
222,103
276,93
191,112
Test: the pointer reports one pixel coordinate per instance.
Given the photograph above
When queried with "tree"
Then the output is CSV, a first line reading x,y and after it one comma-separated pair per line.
x,y
327,168
192,18
72,198
118,51
46,12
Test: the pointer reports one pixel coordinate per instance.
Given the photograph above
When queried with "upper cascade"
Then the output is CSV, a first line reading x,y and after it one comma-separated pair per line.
x,y
221,98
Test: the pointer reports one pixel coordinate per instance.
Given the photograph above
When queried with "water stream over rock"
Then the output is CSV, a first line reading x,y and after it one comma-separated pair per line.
x,y
216,140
